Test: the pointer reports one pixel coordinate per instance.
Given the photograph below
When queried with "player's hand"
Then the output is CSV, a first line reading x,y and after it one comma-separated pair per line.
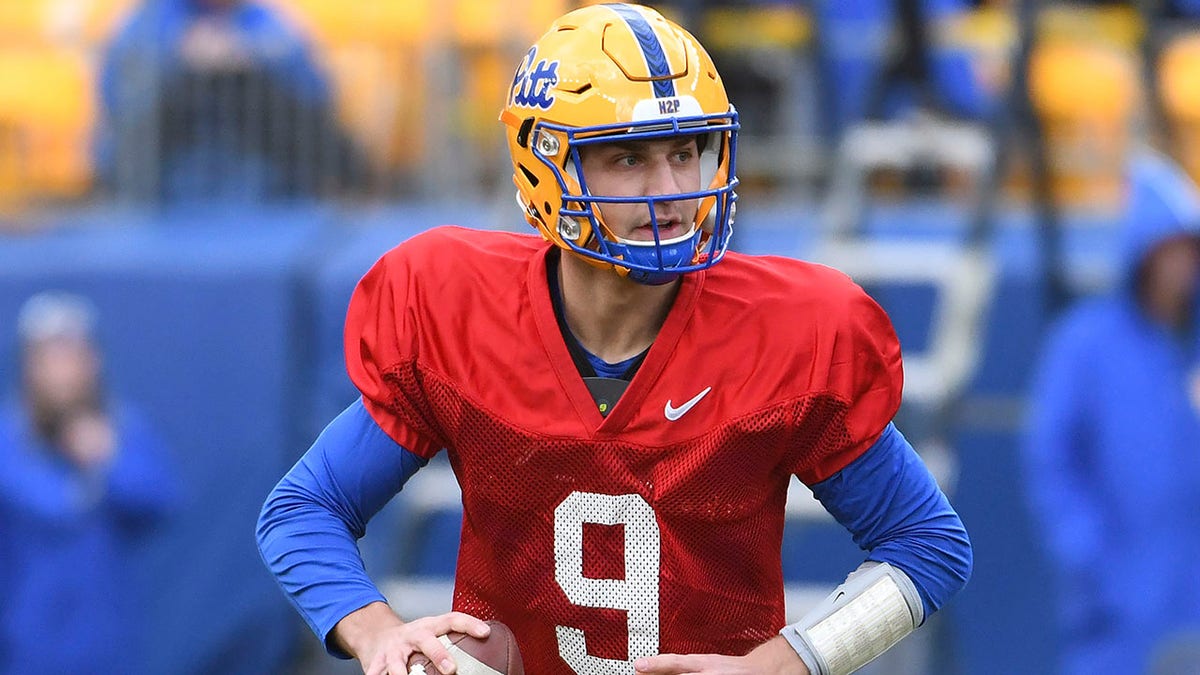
x,y
394,646
383,643
773,657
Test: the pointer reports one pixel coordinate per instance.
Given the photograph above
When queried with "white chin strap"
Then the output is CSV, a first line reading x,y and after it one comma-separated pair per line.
x,y
665,242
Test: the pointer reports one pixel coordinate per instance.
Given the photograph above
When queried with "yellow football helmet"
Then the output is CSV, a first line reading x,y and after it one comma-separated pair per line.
x,y
620,72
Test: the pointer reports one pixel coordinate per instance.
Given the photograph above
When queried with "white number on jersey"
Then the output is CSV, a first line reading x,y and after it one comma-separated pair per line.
x,y
636,594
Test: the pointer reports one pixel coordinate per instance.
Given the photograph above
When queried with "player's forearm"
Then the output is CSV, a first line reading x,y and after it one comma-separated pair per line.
x,y
313,555
893,507
309,525
358,629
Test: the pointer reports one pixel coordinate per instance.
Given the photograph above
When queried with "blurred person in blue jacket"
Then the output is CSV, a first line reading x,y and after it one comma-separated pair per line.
x,y
883,59
223,99
878,59
1112,456
84,482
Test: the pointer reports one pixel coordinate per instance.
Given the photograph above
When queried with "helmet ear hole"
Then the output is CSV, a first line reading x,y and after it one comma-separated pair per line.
x,y
523,132
529,176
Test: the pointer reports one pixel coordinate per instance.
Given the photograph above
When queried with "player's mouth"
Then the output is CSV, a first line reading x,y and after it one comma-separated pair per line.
x,y
667,229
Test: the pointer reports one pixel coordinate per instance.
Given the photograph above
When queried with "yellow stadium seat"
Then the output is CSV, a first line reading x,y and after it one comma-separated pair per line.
x,y
782,27
327,22
46,114
513,25
488,39
378,55
375,55
1117,26
1086,95
24,21
1179,85
411,21
380,99
383,22
100,19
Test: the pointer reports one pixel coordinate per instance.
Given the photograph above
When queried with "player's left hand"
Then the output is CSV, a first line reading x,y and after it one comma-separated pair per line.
x,y
774,656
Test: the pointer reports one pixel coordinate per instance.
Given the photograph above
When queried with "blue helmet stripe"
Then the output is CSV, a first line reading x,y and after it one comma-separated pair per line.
x,y
656,59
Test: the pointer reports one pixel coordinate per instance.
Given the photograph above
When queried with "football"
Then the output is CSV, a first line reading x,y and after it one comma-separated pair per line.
x,y
496,654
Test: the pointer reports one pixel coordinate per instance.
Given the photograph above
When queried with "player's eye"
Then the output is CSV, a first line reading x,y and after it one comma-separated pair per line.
x,y
626,160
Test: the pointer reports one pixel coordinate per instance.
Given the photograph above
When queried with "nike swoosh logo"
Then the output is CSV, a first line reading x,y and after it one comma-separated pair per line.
x,y
674,413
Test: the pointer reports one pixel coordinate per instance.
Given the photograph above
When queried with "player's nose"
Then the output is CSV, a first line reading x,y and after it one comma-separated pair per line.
x,y
662,178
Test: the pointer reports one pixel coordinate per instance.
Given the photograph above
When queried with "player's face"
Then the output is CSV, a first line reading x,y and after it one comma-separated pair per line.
x,y
644,169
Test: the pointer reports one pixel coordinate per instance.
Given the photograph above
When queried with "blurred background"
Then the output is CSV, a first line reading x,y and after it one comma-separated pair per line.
x,y
200,183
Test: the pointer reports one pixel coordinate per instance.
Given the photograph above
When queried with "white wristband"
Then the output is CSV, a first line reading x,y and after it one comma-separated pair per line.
x,y
871,611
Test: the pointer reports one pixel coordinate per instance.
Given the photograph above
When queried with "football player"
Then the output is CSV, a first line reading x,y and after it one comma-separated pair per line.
x,y
624,403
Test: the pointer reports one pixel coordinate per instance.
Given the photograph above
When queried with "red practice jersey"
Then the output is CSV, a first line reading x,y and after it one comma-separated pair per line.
x,y
656,529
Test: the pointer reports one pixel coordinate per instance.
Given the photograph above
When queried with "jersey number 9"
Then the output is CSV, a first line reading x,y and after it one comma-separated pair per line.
x,y
636,594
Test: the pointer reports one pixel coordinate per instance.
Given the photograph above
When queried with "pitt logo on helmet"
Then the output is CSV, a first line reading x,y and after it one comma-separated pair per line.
x,y
533,81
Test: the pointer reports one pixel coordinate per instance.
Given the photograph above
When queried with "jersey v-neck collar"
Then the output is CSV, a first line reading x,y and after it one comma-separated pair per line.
x,y
585,361
564,366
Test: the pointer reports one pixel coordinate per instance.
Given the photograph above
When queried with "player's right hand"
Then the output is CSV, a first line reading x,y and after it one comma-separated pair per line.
x,y
383,644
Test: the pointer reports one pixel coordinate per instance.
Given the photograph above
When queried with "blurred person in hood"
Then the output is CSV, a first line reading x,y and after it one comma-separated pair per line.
x,y
1112,455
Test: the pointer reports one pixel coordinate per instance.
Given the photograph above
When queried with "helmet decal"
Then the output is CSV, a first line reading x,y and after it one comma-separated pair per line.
x,y
532,84
652,50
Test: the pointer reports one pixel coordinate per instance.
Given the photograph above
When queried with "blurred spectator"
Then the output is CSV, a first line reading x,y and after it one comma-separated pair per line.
x,y
84,481
882,58
1113,454
218,99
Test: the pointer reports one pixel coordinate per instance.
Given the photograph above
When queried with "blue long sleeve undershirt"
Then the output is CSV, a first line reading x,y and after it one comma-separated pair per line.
x,y
895,510
310,522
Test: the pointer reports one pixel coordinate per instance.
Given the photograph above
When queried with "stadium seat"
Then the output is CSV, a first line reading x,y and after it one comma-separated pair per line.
x,y
765,27
383,55
24,21
68,23
1179,83
379,22
488,24
378,58
380,94
100,19
1118,26
46,113
486,41
1086,94
764,51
